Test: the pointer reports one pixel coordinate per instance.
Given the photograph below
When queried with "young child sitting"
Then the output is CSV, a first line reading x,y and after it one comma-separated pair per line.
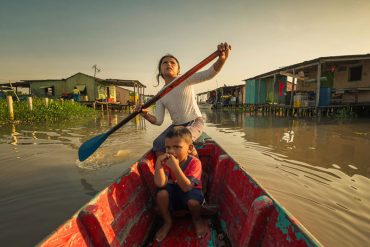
x,y
178,177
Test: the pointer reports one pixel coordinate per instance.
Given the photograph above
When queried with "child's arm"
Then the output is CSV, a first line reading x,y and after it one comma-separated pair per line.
x,y
184,183
160,178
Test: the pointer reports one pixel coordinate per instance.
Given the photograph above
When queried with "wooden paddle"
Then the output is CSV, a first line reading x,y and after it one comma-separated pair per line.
x,y
88,147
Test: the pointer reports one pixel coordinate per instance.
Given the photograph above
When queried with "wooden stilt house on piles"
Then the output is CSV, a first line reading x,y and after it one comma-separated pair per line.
x,y
224,96
91,88
324,81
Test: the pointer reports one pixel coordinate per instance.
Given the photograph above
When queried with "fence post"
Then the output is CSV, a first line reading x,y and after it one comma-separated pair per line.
x,y
9,100
29,101
46,100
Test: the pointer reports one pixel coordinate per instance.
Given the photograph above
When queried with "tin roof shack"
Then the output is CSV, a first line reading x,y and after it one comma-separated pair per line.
x,y
90,87
232,95
211,97
123,95
204,97
126,96
324,81
137,95
226,95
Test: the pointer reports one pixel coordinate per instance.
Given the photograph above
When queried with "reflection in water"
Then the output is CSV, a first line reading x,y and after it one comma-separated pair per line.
x,y
14,135
321,143
288,136
88,188
318,169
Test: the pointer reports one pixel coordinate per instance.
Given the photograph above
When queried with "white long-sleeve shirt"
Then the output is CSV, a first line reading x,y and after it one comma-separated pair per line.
x,y
180,102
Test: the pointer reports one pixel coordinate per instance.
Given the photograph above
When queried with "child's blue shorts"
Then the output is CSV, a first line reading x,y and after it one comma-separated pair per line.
x,y
179,198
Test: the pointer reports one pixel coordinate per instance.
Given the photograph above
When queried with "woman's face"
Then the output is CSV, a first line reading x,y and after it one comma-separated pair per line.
x,y
169,68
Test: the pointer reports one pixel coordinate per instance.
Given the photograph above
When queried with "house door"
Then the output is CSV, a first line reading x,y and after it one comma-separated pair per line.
x,y
108,93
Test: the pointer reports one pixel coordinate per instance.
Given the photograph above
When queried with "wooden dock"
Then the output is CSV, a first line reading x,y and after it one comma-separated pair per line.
x,y
108,106
350,109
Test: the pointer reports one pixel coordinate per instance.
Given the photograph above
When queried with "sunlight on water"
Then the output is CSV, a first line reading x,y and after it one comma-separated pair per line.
x,y
293,161
317,169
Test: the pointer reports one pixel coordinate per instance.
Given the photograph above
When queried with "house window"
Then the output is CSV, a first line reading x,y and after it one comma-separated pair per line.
x,y
49,91
355,73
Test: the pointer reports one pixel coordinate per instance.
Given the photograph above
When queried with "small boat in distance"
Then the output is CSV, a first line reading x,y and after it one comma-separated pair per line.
x,y
239,211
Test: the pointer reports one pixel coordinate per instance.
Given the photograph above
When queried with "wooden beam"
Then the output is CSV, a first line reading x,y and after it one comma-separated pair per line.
x,y
292,91
294,76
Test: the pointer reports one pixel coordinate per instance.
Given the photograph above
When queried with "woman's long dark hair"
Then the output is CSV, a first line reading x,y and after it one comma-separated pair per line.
x,y
160,63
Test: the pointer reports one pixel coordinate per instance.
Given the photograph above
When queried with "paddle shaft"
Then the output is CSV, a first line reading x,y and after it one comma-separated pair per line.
x,y
166,90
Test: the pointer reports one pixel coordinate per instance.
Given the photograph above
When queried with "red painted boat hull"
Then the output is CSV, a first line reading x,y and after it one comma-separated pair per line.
x,y
123,214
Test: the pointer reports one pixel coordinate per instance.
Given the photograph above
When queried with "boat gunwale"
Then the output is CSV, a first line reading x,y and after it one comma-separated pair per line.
x,y
294,221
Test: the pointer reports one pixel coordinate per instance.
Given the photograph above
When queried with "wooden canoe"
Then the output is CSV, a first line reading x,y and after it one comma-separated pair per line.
x,y
242,212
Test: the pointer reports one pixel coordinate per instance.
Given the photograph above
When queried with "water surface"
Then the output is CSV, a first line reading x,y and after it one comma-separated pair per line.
x,y
317,169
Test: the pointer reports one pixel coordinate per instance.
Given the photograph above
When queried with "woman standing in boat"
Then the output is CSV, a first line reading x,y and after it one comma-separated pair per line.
x,y
180,102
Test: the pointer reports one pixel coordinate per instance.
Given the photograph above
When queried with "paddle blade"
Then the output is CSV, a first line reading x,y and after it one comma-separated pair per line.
x,y
89,146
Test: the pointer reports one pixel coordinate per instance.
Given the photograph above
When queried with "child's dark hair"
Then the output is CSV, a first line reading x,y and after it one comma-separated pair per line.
x,y
160,63
181,132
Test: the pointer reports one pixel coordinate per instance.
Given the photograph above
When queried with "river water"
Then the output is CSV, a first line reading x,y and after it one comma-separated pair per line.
x,y
318,169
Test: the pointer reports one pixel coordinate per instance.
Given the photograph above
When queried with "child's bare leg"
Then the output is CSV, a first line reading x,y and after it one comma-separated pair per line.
x,y
163,200
195,210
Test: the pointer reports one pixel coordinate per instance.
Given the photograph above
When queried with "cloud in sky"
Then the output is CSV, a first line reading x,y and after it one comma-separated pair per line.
x,y
43,39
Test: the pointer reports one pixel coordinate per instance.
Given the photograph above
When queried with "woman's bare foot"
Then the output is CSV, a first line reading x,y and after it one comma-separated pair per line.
x,y
200,227
163,231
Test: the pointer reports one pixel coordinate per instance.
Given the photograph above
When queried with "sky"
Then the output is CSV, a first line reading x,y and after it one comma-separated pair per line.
x,y
54,39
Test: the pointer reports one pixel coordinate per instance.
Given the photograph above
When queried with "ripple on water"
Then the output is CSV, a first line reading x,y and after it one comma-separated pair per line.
x,y
326,199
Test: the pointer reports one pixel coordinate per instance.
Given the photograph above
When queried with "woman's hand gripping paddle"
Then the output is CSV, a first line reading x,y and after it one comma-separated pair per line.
x,y
88,147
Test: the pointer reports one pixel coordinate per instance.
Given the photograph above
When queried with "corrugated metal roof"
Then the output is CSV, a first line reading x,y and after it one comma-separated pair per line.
x,y
117,82
234,86
312,63
125,83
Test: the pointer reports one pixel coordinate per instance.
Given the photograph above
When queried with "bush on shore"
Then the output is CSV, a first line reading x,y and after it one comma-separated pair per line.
x,y
55,111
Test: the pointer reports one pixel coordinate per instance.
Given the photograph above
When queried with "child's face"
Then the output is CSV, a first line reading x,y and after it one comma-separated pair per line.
x,y
169,67
178,147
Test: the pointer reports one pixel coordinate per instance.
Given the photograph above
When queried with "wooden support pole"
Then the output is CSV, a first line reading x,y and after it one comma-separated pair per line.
x,y
292,91
134,94
259,90
143,96
9,99
29,101
318,84
273,90
46,100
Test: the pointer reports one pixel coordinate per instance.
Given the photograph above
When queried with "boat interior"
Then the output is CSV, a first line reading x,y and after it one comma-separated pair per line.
x,y
238,210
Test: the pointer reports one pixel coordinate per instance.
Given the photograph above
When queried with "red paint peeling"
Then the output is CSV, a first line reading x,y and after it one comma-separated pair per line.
x,y
123,214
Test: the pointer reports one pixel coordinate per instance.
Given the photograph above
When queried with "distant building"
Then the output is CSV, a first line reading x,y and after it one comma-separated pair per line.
x,y
90,88
226,95
321,81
